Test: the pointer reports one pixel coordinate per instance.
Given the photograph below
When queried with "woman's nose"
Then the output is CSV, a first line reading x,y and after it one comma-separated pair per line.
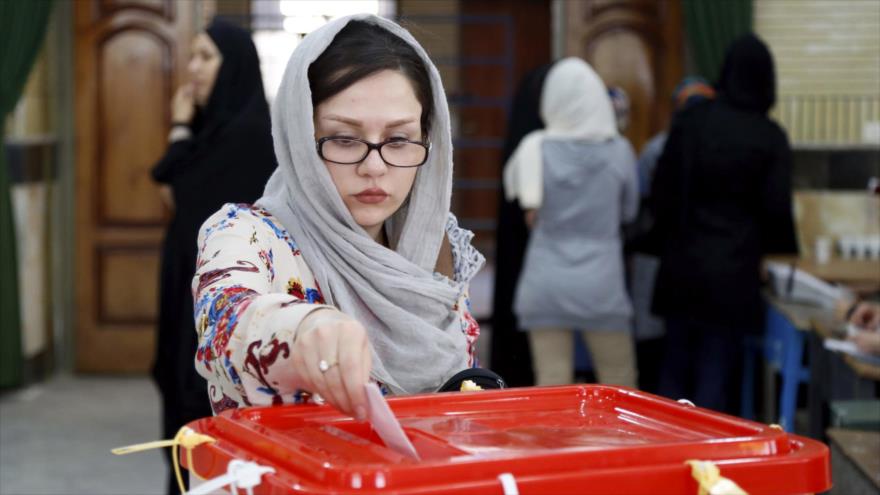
x,y
373,165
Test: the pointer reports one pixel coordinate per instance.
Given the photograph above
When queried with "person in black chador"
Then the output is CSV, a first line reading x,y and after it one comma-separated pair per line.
x,y
722,200
220,151
510,355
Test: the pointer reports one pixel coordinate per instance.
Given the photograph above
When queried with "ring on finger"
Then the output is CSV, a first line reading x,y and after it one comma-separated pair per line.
x,y
325,365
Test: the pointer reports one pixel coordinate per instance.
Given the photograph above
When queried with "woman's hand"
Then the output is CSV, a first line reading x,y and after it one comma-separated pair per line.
x,y
183,105
866,315
331,358
167,196
531,217
867,341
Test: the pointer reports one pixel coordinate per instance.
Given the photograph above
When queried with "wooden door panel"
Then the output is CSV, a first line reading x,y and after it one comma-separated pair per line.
x,y
624,60
633,44
133,96
122,300
129,56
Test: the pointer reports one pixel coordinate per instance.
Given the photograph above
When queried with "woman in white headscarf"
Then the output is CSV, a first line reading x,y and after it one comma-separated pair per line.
x,y
576,179
351,267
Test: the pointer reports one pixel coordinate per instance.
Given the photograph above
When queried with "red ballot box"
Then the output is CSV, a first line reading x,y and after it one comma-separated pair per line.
x,y
590,439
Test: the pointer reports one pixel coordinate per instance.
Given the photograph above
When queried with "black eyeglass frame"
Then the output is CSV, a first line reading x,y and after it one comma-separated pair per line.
x,y
319,144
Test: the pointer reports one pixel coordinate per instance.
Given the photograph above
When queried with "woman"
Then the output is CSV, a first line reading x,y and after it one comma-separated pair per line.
x,y
510,347
722,200
220,151
350,268
577,182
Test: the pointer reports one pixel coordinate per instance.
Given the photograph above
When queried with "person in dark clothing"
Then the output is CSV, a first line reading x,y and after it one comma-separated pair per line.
x,y
722,200
642,263
510,355
220,152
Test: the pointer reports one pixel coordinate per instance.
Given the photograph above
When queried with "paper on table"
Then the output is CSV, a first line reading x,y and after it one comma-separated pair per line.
x,y
385,424
850,348
852,330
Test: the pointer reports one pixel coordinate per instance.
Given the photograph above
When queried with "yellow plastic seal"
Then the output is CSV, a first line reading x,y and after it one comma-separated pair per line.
x,y
710,481
186,437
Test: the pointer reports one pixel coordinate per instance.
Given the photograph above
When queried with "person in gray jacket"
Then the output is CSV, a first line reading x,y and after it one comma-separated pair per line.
x,y
576,179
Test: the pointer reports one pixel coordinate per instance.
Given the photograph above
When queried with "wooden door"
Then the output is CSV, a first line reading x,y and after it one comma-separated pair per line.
x,y
130,55
633,44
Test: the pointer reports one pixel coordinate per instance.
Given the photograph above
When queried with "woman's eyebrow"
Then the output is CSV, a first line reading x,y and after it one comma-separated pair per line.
x,y
358,123
344,120
399,122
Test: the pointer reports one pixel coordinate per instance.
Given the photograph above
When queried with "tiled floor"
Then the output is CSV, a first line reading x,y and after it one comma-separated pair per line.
x,y
55,438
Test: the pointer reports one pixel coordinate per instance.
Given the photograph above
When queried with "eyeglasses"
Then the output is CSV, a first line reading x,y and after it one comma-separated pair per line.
x,y
394,152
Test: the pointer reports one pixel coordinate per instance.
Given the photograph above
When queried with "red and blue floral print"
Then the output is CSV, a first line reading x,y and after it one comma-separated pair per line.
x,y
252,288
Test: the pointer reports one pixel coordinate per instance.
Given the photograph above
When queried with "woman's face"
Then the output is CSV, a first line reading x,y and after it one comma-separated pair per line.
x,y
203,67
377,108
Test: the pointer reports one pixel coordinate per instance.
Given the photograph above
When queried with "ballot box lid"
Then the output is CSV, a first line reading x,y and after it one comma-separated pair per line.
x,y
577,438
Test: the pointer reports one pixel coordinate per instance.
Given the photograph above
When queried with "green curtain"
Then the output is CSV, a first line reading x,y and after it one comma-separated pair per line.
x,y
22,28
711,25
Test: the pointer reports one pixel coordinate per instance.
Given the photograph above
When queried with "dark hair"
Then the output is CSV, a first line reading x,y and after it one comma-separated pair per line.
x,y
361,49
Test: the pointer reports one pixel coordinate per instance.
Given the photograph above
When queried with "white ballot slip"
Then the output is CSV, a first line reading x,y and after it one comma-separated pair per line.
x,y
385,424
850,348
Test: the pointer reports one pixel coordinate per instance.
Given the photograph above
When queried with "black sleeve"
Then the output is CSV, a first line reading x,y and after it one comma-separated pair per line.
x,y
178,154
666,188
777,228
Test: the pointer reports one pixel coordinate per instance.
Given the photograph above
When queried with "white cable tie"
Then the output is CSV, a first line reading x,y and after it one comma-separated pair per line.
x,y
247,474
508,484
686,402
239,474
212,485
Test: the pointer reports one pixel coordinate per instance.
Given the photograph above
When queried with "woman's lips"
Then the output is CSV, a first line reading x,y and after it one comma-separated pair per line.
x,y
371,196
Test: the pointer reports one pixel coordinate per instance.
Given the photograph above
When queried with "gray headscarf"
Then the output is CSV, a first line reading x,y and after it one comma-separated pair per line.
x,y
407,309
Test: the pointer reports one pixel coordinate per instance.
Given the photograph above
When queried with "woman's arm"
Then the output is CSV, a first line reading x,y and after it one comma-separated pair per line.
x,y
245,329
177,155
180,145
777,219
470,328
666,188
630,196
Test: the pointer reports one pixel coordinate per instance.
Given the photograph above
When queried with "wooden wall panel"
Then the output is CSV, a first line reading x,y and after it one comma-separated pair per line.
x,y
161,8
134,91
499,44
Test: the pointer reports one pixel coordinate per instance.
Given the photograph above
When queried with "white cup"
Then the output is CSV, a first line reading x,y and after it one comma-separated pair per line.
x,y
847,247
861,247
874,247
822,250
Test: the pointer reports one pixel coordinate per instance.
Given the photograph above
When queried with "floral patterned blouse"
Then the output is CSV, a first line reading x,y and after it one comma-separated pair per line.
x,y
252,288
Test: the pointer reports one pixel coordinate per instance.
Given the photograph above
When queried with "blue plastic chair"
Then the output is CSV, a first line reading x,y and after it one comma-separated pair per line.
x,y
783,348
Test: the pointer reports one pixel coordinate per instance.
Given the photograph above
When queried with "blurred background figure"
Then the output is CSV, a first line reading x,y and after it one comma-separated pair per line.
x,y
865,317
510,348
641,263
722,199
220,151
620,103
690,91
577,183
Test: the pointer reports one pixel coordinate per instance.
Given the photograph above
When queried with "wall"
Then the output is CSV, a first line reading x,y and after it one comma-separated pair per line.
x,y
827,55
31,143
